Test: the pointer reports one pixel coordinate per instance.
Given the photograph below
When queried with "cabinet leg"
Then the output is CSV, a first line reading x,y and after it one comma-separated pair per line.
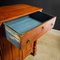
x,y
34,48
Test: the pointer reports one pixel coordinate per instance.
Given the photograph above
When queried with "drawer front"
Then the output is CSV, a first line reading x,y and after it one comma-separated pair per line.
x,y
43,29
47,26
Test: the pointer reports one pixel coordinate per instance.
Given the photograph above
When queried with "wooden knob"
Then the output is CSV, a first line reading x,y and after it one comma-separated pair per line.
x,y
42,27
27,41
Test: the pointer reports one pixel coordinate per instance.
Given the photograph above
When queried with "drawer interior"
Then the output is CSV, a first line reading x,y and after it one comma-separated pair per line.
x,y
25,23
40,16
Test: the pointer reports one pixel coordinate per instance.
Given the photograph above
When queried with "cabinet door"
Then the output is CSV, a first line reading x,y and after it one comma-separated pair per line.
x,y
27,49
24,51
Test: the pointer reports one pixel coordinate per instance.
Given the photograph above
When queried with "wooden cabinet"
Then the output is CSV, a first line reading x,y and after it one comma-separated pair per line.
x,y
20,27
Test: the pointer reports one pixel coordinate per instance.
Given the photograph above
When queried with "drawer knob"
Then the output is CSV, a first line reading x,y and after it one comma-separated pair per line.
x,y
42,27
27,41
51,24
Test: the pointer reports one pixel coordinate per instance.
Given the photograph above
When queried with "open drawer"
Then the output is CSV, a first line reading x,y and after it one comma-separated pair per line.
x,y
20,30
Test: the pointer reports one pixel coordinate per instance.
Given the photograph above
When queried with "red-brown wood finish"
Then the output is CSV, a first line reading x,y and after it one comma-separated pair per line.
x,y
28,40
7,50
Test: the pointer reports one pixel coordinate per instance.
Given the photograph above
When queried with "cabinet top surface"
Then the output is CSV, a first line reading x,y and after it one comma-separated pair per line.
x,y
14,11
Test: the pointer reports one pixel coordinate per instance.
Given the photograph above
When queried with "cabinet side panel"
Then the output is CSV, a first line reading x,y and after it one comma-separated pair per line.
x,y
16,53
6,49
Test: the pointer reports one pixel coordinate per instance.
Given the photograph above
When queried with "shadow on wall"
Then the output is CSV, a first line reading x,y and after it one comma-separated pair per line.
x,y
56,11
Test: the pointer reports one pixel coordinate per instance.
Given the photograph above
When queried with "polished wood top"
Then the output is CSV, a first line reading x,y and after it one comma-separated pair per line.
x,y
14,11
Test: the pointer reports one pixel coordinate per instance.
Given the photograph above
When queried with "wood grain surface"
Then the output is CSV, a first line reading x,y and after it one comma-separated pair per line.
x,y
15,11
7,50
